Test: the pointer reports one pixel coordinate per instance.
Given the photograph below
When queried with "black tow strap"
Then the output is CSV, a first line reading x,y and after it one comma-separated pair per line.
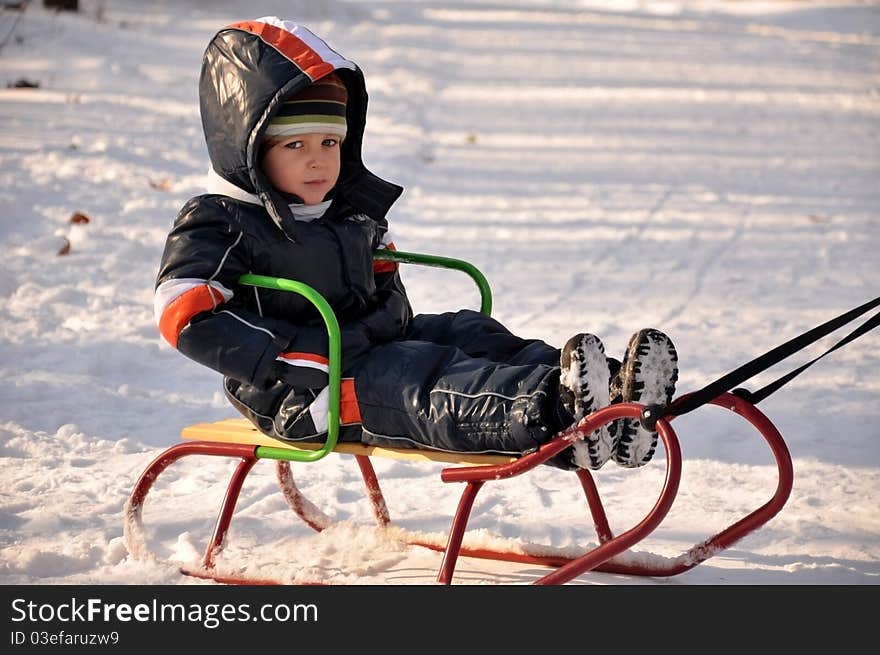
x,y
727,382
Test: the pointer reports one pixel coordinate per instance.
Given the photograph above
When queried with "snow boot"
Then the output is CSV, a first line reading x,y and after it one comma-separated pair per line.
x,y
647,375
583,388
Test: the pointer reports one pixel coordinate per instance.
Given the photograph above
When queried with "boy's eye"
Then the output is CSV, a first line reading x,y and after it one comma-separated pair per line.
x,y
293,145
330,142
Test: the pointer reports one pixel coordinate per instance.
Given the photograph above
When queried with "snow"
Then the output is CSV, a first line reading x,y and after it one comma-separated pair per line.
x,y
707,168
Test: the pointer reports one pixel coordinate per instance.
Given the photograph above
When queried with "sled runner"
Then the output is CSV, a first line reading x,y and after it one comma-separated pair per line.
x,y
238,439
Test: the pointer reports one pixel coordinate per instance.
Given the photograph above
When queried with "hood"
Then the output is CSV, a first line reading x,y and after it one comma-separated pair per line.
x,y
247,70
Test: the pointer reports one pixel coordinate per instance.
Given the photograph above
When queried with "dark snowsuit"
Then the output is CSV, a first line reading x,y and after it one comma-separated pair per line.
x,y
457,382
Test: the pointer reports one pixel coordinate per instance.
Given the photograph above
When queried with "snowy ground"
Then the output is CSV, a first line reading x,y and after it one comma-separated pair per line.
x,y
709,168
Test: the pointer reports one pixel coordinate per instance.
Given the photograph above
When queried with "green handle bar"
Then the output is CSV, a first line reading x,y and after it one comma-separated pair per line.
x,y
335,340
443,262
334,352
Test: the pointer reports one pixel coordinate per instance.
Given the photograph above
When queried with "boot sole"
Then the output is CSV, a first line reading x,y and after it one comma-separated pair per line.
x,y
587,375
649,373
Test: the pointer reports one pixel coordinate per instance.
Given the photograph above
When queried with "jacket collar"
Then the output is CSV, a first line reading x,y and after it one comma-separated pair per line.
x,y
223,187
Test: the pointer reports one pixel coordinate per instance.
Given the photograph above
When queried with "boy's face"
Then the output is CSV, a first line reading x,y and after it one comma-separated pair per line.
x,y
306,165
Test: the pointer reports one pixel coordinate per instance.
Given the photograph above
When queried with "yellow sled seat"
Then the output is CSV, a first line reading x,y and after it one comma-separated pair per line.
x,y
242,431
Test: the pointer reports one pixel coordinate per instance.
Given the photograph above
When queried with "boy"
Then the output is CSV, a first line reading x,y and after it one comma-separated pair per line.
x,y
290,196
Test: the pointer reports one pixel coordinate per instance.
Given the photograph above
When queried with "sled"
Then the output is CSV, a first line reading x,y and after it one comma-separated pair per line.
x,y
238,439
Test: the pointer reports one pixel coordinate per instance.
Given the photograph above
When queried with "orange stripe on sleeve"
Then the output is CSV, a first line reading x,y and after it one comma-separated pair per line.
x,y
310,357
349,411
384,266
179,311
290,46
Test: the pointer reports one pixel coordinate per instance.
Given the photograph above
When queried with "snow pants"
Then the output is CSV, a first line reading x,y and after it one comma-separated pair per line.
x,y
457,382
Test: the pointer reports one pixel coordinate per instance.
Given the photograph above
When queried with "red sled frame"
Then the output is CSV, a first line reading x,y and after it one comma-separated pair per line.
x,y
602,557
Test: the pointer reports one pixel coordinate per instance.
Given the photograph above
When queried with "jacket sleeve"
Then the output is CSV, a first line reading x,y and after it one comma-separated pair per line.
x,y
197,313
391,317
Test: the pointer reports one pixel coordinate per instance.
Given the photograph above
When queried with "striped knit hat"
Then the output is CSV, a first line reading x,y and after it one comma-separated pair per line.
x,y
320,107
